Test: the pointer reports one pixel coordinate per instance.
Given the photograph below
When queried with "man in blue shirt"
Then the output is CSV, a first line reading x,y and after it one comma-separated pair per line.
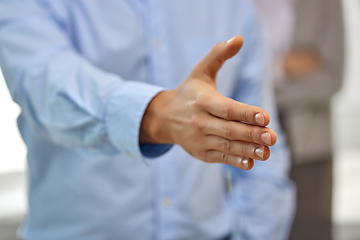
x,y
93,79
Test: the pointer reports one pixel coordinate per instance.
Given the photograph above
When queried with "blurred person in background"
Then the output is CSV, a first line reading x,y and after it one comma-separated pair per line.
x,y
306,42
93,78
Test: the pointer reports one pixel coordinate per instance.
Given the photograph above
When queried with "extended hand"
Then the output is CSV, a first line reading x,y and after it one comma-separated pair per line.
x,y
209,126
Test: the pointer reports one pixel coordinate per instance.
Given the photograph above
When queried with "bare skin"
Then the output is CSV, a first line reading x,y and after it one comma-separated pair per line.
x,y
301,63
209,126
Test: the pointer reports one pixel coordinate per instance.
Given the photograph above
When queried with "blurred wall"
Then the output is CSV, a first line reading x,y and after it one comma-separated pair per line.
x,y
346,133
12,148
346,104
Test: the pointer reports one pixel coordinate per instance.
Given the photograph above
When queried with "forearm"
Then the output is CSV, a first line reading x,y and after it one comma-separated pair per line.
x,y
65,98
75,104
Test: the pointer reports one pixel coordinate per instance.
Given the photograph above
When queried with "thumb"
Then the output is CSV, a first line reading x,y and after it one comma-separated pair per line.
x,y
216,58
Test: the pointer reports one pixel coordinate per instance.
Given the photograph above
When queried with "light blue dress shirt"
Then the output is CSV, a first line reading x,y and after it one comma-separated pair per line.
x,y
83,72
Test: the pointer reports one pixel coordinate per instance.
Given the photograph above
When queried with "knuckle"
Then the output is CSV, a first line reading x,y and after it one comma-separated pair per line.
x,y
248,112
226,111
197,122
217,47
225,145
248,116
227,130
200,101
245,150
250,135
244,115
224,157
218,60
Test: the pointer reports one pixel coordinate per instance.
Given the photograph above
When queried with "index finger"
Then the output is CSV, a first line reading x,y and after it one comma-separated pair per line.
x,y
229,109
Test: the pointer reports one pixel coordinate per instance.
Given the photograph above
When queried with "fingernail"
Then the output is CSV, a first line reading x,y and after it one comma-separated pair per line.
x,y
266,137
259,118
230,40
260,151
244,162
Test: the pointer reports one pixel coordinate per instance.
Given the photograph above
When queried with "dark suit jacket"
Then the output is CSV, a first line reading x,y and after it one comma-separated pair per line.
x,y
304,104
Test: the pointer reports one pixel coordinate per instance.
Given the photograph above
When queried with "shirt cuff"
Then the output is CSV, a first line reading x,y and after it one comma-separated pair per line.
x,y
124,113
154,150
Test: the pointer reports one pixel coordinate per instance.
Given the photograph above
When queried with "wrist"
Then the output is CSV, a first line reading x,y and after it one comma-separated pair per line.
x,y
153,127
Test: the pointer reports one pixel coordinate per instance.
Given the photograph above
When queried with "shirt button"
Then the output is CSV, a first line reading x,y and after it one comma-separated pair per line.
x,y
157,42
166,202
130,153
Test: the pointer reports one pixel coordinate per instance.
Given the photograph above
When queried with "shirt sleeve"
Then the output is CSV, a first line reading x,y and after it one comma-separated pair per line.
x,y
66,98
263,199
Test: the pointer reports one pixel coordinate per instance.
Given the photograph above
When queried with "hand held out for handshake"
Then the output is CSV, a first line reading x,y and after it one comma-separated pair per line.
x,y
209,126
